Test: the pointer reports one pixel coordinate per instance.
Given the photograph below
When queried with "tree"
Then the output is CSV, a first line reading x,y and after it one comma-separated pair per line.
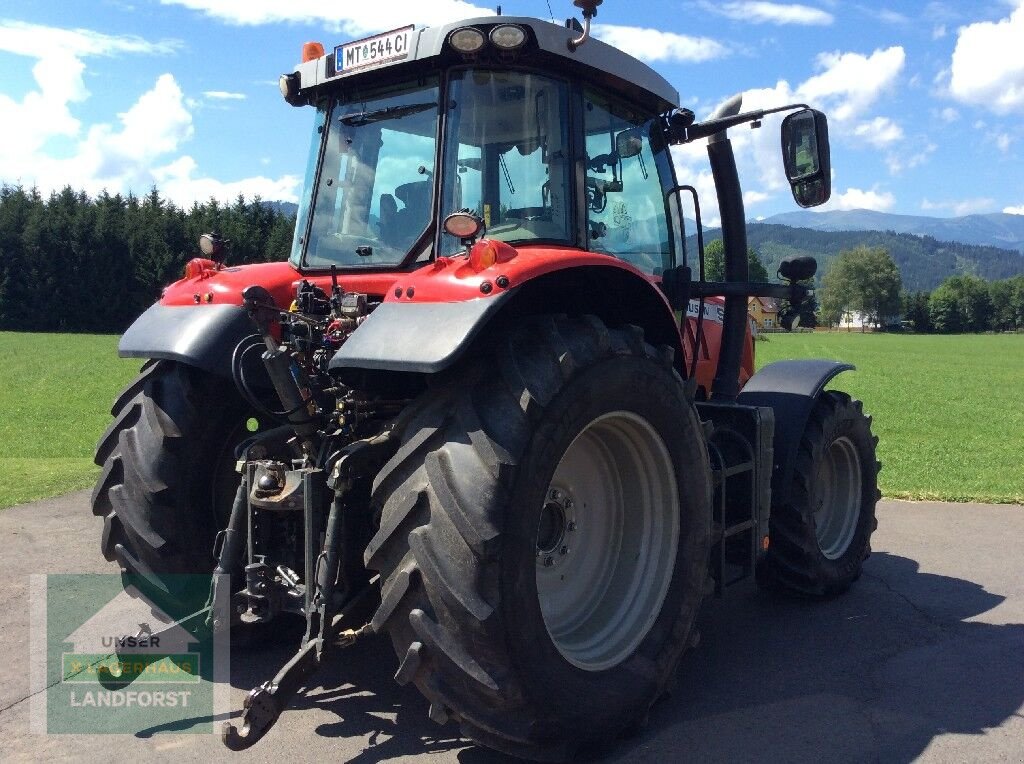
x,y
1007,296
915,311
72,263
714,263
961,304
863,280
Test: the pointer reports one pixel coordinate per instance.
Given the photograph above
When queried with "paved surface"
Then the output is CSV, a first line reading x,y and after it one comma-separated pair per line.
x,y
922,660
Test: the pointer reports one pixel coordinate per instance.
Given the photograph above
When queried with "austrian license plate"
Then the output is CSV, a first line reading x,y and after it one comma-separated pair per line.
x,y
373,51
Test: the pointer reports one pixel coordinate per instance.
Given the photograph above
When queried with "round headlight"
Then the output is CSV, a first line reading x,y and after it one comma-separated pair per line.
x,y
287,84
467,40
463,225
508,36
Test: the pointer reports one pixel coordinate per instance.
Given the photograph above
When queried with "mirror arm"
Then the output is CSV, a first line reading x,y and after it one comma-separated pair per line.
x,y
692,132
795,293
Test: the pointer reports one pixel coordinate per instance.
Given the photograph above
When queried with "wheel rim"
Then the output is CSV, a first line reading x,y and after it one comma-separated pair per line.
x,y
839,498
606,541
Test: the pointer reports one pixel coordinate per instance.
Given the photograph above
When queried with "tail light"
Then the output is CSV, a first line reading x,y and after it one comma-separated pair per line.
x,y
487,252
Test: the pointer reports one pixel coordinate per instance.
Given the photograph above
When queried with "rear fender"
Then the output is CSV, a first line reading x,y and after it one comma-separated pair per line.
x,y
429,336
201,336
790,388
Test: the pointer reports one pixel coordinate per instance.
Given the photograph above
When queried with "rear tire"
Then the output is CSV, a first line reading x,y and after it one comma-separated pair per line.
x,y
820,538
476,500
168,480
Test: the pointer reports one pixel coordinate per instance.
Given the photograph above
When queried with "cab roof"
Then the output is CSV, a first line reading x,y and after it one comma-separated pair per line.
x,y
593,61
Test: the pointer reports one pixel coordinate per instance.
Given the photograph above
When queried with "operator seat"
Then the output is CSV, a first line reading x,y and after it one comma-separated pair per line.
x,y
412,218
388,222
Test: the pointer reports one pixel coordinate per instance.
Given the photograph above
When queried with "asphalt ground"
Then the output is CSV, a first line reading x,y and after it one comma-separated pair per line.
x,y
923,660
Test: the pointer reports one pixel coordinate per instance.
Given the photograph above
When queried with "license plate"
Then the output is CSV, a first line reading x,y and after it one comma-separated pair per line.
x,y
373,51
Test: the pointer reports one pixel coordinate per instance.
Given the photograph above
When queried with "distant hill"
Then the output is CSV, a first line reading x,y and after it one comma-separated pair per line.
x,y
997,229
285,208
924,261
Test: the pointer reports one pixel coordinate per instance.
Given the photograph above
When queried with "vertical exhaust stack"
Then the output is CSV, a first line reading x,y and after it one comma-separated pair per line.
x,y
734,240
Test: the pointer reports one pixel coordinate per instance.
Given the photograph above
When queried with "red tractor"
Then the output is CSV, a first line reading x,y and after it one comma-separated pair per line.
x,y
490,407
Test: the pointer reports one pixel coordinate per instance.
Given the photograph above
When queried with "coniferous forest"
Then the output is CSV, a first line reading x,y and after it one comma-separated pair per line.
x,y
70,262
74,263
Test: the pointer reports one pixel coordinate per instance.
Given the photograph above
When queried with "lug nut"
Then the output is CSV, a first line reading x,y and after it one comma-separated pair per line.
x,y
563,550
570,526
549,561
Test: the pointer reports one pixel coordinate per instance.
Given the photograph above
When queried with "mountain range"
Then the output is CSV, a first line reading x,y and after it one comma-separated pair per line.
x,y
997,229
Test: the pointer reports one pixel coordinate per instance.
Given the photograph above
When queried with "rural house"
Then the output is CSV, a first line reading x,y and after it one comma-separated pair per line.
x,y
764,311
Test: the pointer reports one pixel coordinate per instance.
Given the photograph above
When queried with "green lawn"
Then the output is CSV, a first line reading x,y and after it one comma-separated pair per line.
x,y
948,410
55,396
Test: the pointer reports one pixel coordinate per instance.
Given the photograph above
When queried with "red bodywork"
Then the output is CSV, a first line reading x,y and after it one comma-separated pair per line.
x,y
451,279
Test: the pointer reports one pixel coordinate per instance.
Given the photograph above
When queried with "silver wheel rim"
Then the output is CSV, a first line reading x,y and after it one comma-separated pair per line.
x,y
839,494
606,541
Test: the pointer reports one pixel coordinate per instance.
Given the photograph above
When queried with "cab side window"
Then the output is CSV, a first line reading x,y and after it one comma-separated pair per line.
x,y
624,199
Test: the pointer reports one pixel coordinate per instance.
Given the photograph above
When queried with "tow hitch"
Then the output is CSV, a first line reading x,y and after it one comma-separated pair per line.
x,y
263,705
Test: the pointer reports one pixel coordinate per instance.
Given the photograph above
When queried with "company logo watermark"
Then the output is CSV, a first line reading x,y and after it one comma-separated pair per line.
x,y
112,655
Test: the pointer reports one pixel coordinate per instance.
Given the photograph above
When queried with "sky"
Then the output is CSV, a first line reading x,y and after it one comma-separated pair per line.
x,y
924,99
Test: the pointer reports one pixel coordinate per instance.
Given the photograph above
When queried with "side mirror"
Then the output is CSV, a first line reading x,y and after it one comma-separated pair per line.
x,y
629,143
805,153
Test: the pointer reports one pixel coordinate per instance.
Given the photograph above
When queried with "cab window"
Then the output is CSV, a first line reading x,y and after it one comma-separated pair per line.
x,y
624,197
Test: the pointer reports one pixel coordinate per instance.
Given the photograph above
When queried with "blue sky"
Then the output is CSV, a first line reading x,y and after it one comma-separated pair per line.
x,y
924,98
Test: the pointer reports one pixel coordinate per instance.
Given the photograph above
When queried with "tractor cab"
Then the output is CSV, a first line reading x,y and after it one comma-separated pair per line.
x,y
496,117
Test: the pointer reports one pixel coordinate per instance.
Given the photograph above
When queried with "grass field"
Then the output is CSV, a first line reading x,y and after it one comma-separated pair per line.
x,y
55,396
949,411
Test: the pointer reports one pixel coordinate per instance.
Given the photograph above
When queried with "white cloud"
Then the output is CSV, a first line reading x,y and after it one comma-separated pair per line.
x,y
939,32
1014,210
859,199
757,12
1003,141
118,155
37,41
852,82
223,95
654,45
960,207
879,132
45,113
917,155
949,114
353,18
178,181
988,63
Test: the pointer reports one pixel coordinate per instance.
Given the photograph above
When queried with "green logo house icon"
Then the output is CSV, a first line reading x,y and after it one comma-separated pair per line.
x,y
106,659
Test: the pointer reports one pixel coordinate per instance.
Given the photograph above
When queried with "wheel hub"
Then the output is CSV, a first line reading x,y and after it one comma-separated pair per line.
x,y
557,523
606,541
839,498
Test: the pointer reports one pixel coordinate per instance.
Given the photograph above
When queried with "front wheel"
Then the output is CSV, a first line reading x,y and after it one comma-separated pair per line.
x,y
544,537
820,538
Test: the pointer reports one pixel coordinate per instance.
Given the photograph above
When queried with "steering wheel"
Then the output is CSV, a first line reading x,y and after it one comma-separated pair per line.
x,y
529,213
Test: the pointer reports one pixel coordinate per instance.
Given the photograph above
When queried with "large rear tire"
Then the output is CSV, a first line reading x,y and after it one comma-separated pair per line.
x,y
168,480
820,538
544,537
